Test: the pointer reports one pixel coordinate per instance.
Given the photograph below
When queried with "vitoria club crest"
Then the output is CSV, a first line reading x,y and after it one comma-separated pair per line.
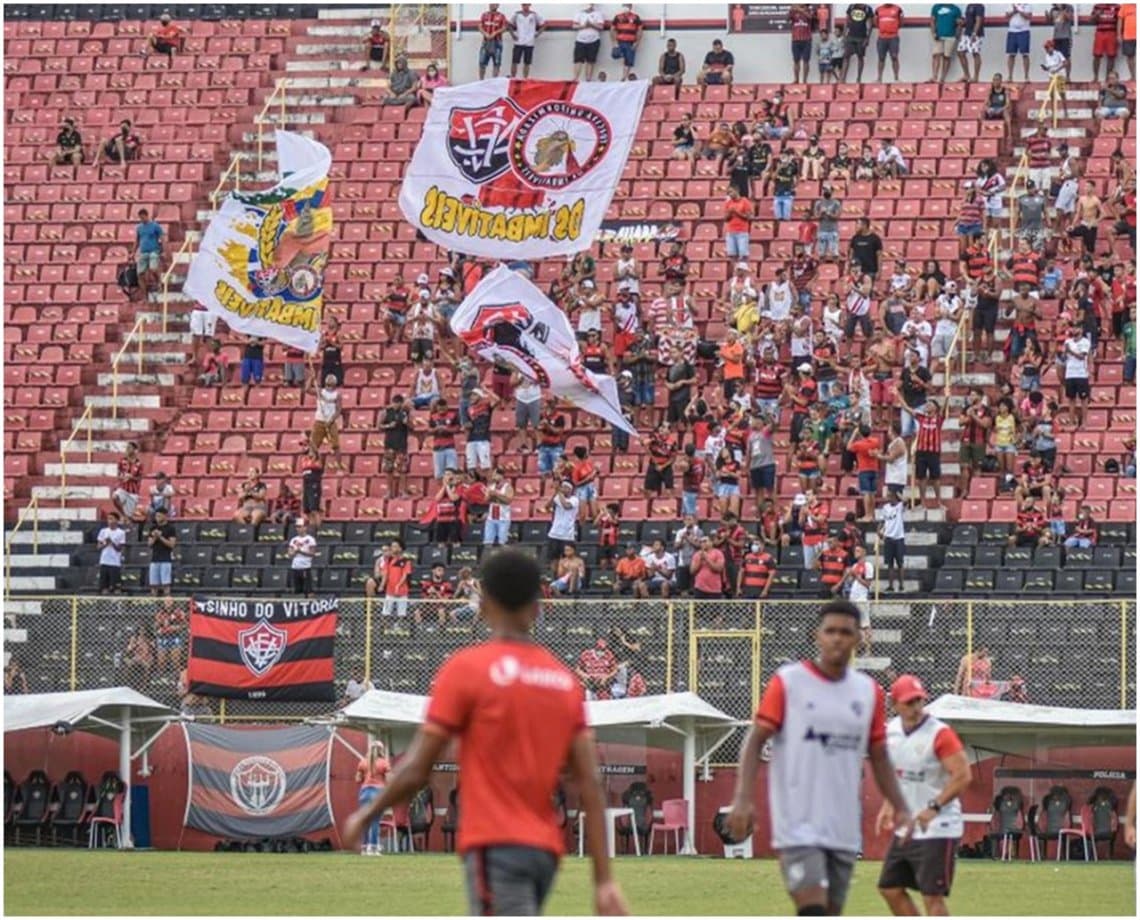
x,y
549,146
261,647
257,785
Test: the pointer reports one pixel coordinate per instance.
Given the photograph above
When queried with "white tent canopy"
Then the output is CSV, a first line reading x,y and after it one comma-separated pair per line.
x,y
681,721
1005,727
114,712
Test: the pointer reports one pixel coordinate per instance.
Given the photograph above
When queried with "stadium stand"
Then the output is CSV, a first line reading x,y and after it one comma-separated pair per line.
x,y
74,394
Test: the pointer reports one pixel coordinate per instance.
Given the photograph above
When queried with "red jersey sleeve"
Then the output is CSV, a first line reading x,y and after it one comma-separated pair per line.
x,y
451,698
771,708
947,743
878,733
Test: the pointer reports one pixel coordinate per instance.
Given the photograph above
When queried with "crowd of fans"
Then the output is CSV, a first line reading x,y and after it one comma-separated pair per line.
x,y
751,407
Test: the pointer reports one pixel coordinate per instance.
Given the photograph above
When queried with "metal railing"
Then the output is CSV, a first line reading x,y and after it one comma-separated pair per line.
x,y
32,508
261,119
87,416
232,170
135,335
1021,173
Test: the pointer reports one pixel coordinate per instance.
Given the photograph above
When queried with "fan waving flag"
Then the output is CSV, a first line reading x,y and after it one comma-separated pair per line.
x,y
263,650
520,169
508,319
261,263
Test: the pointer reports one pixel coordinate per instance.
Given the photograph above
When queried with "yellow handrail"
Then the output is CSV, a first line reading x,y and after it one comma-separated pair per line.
x,y
136,332
995,249
86,416
948,361
32,506
278,90
1052,94
234,170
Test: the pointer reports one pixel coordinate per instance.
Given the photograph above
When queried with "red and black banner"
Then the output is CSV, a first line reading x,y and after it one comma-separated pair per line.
x,y
254,783
263,650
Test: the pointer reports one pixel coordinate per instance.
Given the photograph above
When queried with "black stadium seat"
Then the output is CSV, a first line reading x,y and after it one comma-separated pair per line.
x,y
949,581
1009,581
980,581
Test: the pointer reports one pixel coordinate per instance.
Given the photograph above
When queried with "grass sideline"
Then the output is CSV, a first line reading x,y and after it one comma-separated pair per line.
x,y
78,882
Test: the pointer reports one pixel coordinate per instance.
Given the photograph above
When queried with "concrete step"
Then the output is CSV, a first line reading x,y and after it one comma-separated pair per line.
x,y
46,538
1058,133
124,402
159,380
322,100
23,608
98,446
114,424
74,492
68,515
346,13
28,583
40,560
164,357
1073,95
917,538
109,470
15,636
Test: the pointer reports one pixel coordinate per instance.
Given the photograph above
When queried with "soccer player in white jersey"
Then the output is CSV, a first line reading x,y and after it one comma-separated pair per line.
x,y
822,718
933,771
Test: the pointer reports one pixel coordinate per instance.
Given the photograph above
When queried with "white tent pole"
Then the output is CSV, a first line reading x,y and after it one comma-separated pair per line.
x,y
689,762
125,775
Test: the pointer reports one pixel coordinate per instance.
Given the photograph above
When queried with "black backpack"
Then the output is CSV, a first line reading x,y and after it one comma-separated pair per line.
x,y
128,278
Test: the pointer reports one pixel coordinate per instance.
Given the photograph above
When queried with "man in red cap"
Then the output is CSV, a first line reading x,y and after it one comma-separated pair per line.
x,y
933,771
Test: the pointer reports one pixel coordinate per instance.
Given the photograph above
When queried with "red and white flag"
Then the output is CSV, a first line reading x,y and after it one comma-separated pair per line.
x,y
520,169
507,319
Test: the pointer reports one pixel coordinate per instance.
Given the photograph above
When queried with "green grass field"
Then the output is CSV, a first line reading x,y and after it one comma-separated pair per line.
x,y
104,883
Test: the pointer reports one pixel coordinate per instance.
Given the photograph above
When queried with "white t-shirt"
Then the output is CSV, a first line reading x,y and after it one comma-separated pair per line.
x,y
917,759
1077,358
890,155
833,322
891,517
626,271
664,565
1054,62
948,308
421,319
590,319
301,560
921,327
1020,20
780,300
589,24
857,591
326,405
528,392
112,553
626,317
895,471
562,526
526,27
800,337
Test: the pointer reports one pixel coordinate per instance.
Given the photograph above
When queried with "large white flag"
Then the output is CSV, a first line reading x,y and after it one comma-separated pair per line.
x,y
520,169
508,319
261,263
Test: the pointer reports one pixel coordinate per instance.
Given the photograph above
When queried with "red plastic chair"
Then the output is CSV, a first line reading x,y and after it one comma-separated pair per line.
x,y
114,821
675,818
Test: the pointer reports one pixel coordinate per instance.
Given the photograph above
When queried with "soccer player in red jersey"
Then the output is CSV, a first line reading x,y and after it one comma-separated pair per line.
x,y
822,718
518,714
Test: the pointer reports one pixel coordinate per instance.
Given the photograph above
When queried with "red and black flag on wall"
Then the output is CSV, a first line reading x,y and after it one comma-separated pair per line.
x,y
263,650
253,783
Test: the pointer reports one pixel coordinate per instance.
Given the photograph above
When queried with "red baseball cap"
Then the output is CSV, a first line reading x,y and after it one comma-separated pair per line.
x,y
907,688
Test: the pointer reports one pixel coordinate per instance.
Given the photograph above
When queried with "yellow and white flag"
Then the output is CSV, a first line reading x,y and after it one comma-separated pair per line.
x,y
261,263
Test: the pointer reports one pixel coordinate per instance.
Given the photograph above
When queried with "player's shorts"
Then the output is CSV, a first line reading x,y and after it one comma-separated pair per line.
x,y
814,867
925,865
1104,44
586,52
927,465
1077,387
1017,42
887,46
970,44
942,46
508,880
801,51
